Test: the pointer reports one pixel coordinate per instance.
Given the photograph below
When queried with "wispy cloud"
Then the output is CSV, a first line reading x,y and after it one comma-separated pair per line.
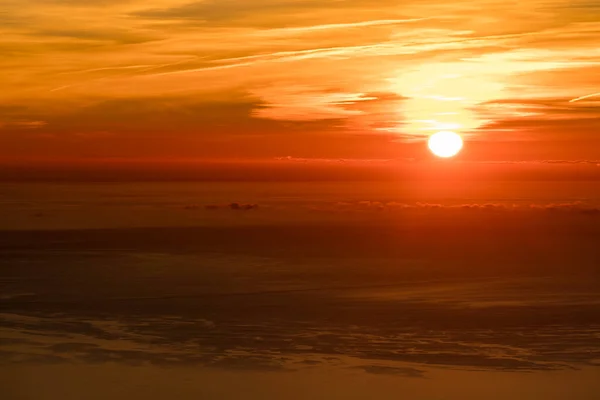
x,y
471,66
361,24
588,96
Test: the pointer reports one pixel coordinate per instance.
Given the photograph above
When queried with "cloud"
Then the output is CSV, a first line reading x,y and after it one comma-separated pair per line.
x,y
17,125
231,206
588,96
387,370
311,64
263,13
511,345
12,357
575,208
360,24
305,103
592,162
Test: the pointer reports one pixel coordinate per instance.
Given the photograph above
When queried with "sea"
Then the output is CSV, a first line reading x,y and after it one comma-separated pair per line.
x,y
300,290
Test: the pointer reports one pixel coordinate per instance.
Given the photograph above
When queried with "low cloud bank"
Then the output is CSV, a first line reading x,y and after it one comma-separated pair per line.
x,y
570,207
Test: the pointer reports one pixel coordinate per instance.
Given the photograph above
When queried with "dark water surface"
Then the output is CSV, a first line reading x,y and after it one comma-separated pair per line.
x,y
170,291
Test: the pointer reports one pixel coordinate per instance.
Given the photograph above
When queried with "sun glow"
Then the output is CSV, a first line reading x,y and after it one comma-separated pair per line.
x,y
447,96
445,144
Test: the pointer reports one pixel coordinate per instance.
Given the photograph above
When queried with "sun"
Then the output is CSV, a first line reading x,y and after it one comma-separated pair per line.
x,y
445,144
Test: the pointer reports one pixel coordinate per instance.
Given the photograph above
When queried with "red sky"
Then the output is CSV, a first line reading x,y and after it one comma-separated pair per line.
x,y
237,79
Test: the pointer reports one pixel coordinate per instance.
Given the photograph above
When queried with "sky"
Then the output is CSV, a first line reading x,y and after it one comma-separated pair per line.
x,y
270,79
465,278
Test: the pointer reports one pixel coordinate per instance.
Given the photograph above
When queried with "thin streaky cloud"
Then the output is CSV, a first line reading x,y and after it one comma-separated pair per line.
x,y
142,68
387,49
380,22
277,57
86,71
584,97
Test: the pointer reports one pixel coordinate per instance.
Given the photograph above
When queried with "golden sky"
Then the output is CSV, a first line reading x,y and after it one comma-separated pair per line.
x,y
221,79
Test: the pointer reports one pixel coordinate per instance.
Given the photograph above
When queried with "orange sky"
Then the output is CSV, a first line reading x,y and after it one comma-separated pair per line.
x,y
222,79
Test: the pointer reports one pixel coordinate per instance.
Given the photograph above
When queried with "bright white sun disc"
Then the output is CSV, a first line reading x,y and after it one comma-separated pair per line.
x,y
445,144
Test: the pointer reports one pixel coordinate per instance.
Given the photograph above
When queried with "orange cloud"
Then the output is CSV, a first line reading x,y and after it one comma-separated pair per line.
x,y
492,71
